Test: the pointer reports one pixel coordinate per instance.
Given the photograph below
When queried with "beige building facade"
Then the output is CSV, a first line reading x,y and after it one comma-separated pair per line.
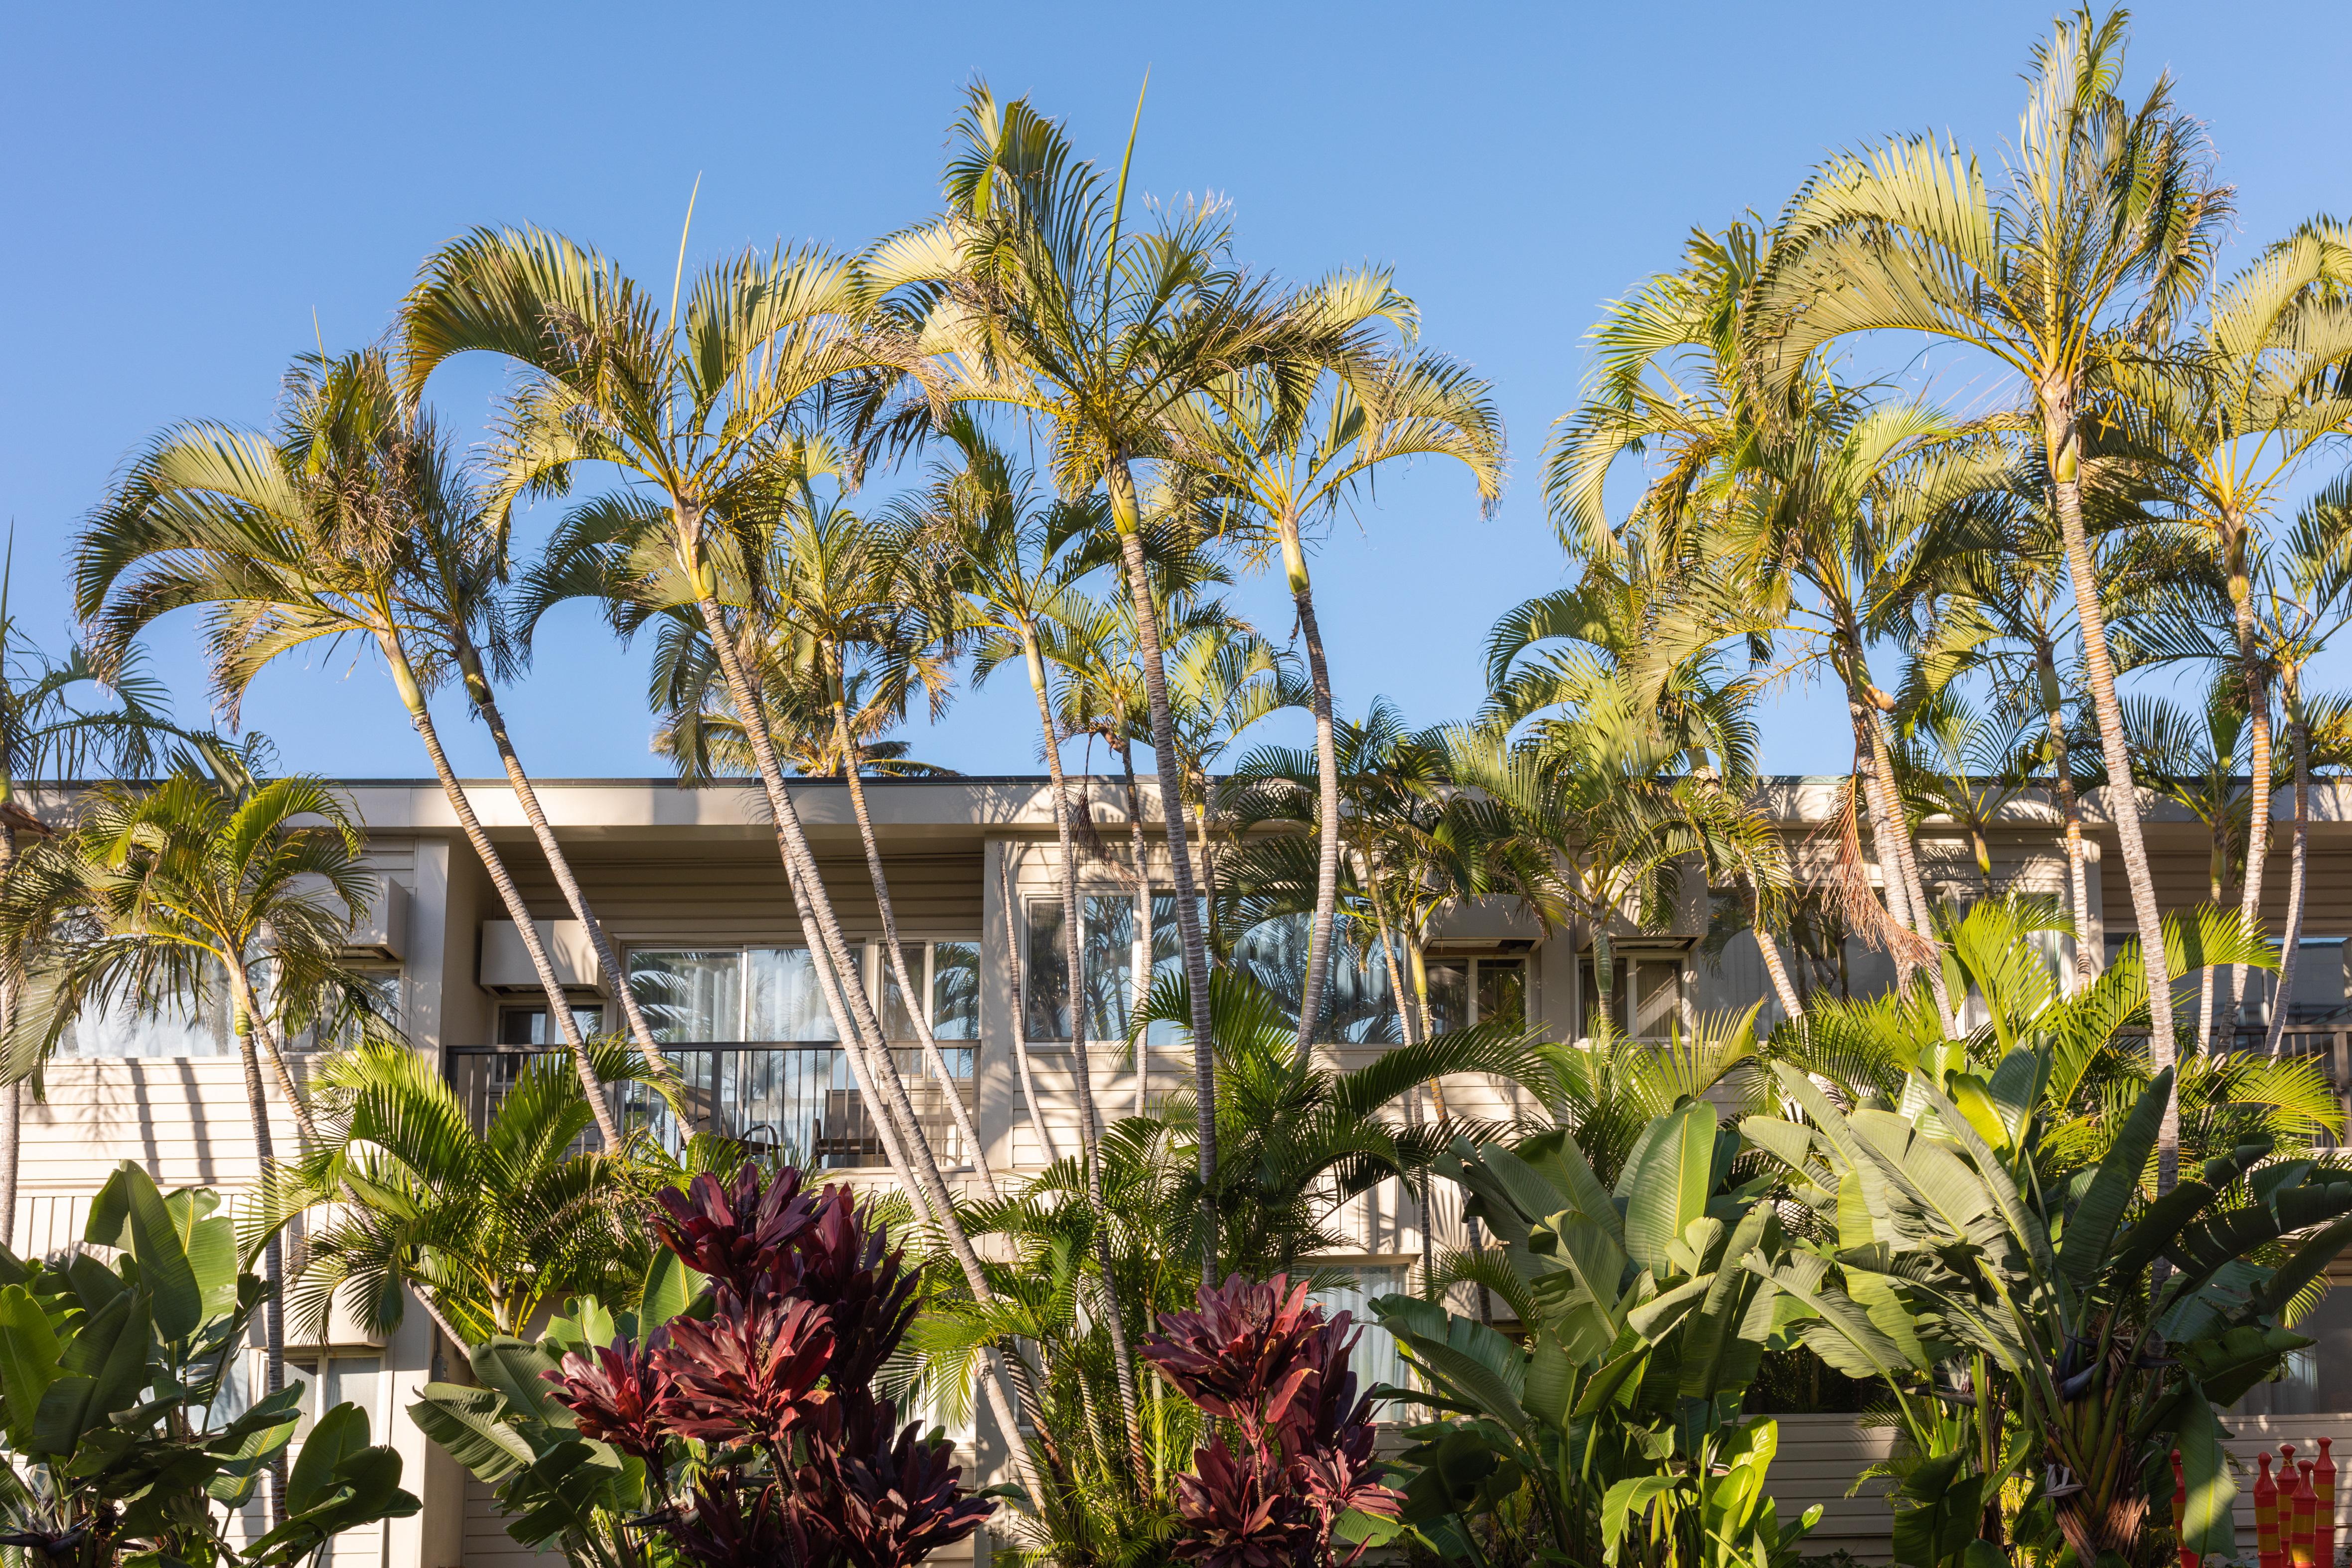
x,y
687,885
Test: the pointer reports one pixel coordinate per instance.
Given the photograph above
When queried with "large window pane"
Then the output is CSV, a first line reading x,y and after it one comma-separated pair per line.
x,y
1376,1359
1047,992
1357,1007
529,1025
955,990
1503,991
1449,994
1588,994
1658,996
690,995
193,1025
783,998
897,1018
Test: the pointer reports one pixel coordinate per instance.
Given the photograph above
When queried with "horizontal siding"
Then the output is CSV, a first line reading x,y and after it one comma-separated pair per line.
x,y
2181,882
742,897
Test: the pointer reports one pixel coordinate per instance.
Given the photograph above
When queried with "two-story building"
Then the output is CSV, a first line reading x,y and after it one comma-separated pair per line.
x,y
687,885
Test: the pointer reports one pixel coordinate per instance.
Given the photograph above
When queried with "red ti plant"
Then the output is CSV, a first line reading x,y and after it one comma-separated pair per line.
x,y
764,1440
1264,1362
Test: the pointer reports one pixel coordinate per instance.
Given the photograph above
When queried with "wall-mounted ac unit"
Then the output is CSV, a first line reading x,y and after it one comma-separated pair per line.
x,y
383,929
507,969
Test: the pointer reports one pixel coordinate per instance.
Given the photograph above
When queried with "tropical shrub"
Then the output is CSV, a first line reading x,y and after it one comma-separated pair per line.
x,y
113,1382
734,1414
1984,1234
1302,1484
1617,1421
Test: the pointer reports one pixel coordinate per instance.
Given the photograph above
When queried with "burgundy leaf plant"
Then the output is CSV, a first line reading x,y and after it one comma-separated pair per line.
x,y
1266,1363
764,1443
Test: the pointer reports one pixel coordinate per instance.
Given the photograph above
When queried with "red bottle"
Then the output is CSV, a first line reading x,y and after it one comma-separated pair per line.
x,y
2322,1477
2267,1537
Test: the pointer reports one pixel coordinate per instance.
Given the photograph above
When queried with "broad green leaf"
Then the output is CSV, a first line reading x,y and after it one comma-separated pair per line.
x,y
337,1435
29,1362
1551,1381
2210,1525
176,1302
2091,1228
469,1424
1626,1502
669,1285
1666,1181
513,1368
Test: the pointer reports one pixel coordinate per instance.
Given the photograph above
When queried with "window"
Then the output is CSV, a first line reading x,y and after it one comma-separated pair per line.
x,y
326,1382
176,1027
1646,994
722,996
1357,1005
1112,956
529,1026
1376,1360
1466,991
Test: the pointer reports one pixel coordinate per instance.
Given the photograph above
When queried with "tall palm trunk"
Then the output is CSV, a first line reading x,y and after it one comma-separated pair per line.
x,y
2123,801
1895,828
912,1162
2216,871
273,1268
1408,1025
2078,884
1143,931
918,1006
559,1006
12,1094
1768,945
2258,827
1020,1023
1327,775
1128,522
2298,859
1082,1071
477,687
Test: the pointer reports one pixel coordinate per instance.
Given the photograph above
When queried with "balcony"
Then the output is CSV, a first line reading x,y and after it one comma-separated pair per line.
x,y
793,1103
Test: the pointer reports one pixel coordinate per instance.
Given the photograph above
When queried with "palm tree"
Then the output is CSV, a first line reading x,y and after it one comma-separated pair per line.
x,y
156,896
2227,422
2305,593
1809,504
694,405
1954,762
1041,298
51,728
2088,255
351,523
486,1228
2193,760
1292,468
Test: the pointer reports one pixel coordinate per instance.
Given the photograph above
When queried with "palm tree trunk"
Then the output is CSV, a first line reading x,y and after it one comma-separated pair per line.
x,y
1020,1024
2122,803
1792,1007
559,1006
1081,1069
2071,808
1327,771
2258,827
12,1094
918,1006
1143,931
478,686
913,1163
2298,858
2214,878
1406,1024
273,1270
304,1127
1895,830
1171,807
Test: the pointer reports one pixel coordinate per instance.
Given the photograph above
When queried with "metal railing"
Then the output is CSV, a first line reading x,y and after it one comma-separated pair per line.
x,y
793,1102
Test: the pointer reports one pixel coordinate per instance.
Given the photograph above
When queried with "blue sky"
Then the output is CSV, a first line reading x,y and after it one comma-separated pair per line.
x,y
195,194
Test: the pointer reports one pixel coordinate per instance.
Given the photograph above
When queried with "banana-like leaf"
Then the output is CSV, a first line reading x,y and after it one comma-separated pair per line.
x,y
2091,1228
1666,1181
470,1426
29,1362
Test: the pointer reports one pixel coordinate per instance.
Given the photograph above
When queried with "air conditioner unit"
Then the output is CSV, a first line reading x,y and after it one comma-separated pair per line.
x,y
382,931
507,968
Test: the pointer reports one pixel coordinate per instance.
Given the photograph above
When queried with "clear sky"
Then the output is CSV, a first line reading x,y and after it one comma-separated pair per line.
x,y
194,194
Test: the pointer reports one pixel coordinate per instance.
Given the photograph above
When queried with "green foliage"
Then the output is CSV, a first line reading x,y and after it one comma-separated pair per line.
x,y
1644,1324
109,1378
557,1489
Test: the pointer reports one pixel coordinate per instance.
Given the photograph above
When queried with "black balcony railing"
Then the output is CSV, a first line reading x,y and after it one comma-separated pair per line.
x,y
794,1103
